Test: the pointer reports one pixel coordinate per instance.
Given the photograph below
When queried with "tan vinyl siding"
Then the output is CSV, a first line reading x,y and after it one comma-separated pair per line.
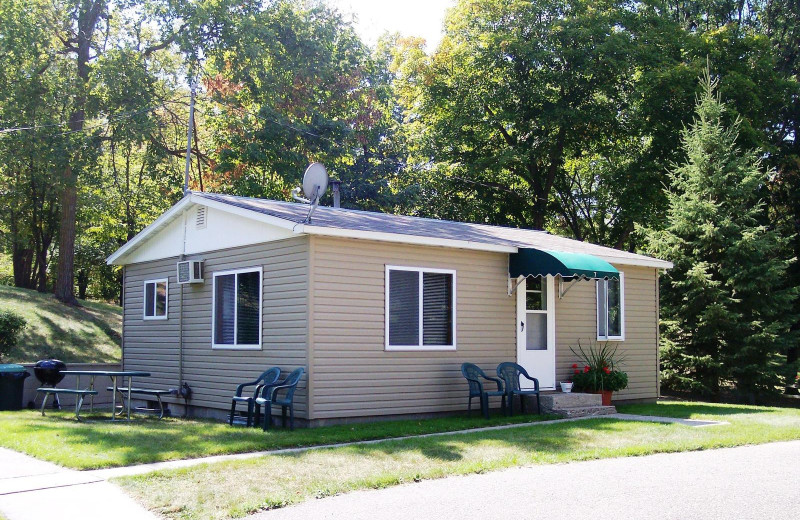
x,y
153,345
576,320
353,374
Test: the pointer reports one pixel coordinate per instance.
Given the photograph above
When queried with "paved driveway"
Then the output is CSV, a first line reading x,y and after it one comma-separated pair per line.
x,y
752,482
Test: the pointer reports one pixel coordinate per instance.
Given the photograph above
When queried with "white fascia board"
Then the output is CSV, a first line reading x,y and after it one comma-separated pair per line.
x,y
157,224
243,212
404,239
641,262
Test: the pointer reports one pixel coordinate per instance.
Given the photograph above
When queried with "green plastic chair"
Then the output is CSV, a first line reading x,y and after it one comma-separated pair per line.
x,y
266,379
475,377
269,397
510,374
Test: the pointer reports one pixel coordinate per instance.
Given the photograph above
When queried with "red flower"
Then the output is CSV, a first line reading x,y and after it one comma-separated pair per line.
x,y
577,371
586,368
606,370
574,365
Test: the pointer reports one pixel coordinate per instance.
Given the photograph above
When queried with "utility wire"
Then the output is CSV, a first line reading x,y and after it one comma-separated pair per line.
x,y
116,117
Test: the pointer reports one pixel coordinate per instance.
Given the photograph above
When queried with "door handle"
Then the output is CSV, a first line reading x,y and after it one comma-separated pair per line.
x,y
522,326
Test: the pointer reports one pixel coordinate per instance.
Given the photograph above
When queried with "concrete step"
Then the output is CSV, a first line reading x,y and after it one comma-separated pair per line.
x,y
575,404
584,411
561,400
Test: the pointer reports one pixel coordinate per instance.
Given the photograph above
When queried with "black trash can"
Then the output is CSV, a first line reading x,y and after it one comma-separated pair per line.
x,y
12,383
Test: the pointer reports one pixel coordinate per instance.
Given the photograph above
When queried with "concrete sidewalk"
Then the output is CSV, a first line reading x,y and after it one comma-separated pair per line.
x,y
31,489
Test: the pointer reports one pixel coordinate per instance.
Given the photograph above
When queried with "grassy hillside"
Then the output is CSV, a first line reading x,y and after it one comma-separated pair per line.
x,y
90,333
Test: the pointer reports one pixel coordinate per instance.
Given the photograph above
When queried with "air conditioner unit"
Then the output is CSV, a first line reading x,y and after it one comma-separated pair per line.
x,y
190,271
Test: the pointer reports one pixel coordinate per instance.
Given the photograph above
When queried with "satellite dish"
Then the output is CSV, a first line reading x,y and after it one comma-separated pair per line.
x,y
315,182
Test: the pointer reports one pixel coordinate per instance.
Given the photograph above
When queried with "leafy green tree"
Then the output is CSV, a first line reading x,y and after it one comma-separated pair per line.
x,y
32,144
514,91
724,303
295,84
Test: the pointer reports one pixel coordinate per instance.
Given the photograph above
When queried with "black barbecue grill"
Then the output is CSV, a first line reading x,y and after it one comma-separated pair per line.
x,y
48,372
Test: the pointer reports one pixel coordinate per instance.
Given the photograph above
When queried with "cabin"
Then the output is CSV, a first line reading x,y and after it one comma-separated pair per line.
x,y
381,310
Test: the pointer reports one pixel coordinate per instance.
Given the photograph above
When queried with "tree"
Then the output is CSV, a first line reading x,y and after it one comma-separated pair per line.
x,y
31,150
302,88
83,29
724,304
515,90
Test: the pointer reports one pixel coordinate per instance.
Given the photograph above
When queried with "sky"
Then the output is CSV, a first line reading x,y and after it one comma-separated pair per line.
x,y
409,17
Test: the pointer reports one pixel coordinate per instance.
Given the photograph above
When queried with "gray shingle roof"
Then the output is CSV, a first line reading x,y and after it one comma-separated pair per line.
x,y
349,219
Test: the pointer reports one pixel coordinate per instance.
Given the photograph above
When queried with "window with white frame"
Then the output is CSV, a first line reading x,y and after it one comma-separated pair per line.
x,y
420,308
237,309
155,299
611,308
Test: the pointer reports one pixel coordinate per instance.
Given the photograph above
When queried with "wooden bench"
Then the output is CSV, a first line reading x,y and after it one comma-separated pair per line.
x,y
80,396
124,391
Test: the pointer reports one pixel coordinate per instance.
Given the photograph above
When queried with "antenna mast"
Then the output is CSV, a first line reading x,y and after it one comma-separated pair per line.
x,y
189,139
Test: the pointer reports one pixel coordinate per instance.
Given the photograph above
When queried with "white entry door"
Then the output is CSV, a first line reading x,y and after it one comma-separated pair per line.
x,y
536,334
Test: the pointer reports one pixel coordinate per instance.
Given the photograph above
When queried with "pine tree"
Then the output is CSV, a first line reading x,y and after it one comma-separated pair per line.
x,y
726,312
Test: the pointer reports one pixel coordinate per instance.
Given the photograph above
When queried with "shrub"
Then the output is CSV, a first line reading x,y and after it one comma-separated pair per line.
x,y
11,324
599,370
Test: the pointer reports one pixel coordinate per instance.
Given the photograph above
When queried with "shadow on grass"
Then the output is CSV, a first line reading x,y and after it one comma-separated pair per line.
x,y
547,439
49,339
100,443
97,442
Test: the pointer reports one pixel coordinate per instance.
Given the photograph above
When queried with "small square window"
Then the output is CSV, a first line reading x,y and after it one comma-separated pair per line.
x,y
155,299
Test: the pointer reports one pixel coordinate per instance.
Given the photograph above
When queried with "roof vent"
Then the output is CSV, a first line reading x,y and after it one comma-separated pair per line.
x,y
200,217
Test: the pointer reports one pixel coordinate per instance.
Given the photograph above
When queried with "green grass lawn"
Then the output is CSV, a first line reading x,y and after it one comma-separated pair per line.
x,y
86,334
236,488
99,443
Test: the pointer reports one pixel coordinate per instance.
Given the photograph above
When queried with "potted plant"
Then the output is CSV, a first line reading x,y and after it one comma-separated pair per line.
x,y
600,373
566,386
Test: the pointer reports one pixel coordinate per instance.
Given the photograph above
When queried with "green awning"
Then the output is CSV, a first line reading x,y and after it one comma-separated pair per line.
x,y
539,262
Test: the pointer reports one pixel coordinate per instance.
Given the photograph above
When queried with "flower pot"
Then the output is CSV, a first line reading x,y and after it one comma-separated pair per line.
x,y
606,395
566,387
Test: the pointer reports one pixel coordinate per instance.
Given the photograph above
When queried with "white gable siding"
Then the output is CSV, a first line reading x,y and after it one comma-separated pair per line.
x,y
221,230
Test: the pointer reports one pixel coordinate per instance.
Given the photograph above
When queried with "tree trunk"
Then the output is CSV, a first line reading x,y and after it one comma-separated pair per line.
x,y
83,283
88,17
65,280
22,264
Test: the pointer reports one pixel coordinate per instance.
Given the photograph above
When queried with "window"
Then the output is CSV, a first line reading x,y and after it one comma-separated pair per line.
x,y
536,313
155,299
611,309
420,309
237,309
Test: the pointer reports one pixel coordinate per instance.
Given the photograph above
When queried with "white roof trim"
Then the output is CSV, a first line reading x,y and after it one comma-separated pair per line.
x,y
642,262
405,239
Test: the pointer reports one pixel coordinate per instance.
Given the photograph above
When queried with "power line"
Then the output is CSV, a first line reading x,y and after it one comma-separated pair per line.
x,y
116,117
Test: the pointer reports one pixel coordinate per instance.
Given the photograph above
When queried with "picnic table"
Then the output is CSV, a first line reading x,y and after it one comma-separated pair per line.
x,y
115,375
